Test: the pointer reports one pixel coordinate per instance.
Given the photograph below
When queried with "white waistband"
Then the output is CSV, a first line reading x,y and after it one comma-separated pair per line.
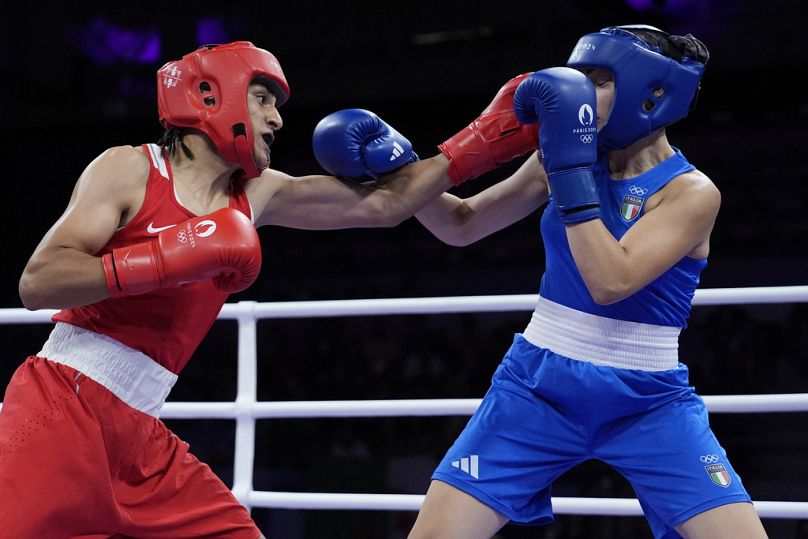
x,y
132,376
603,341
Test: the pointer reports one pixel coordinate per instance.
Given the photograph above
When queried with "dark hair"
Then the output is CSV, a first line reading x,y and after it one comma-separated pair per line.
x,y
171,138
676,47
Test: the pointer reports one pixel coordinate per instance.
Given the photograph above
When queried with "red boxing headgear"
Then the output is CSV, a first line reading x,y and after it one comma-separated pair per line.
x,y
207,90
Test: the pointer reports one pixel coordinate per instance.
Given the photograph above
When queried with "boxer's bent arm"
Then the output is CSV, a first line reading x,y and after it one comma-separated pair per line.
x,y
457,221
325,202
678,226
63,271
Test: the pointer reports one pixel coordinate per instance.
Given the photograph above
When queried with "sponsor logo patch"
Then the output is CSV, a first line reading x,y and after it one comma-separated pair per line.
x,y
469,465
151,229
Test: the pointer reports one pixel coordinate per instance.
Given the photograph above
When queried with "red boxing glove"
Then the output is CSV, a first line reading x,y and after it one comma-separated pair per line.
x,y
223,245
494,138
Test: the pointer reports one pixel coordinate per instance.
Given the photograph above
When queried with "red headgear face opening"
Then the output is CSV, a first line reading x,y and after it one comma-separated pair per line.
x,y
207,90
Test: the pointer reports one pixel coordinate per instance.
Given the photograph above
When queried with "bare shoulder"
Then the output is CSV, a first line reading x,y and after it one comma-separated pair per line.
x,y
120,165
698,189
262,190
692,188
116,179
268,182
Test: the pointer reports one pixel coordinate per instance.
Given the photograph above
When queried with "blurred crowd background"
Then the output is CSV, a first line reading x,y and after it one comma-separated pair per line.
x,y
78,77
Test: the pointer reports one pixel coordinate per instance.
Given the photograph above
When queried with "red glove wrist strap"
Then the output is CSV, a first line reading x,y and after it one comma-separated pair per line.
x,y
468,155
111,276
132,270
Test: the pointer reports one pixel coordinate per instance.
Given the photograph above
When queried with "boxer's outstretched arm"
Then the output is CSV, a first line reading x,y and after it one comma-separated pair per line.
x,y
353,145
354,142
325,202
458,221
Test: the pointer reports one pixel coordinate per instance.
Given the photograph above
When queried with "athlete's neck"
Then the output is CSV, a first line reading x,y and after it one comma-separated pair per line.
x,y
203,180
640,157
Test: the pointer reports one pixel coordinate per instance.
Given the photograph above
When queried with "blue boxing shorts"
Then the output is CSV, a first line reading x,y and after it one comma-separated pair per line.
x,y
545,413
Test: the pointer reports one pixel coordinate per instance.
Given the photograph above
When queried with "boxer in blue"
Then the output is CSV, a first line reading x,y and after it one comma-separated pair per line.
x,y
596,374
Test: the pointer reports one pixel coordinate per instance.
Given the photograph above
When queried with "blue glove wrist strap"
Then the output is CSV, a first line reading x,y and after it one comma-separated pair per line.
x,y
575,195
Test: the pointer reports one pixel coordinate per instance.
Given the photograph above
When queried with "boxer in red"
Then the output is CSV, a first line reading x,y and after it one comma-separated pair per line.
x,y
153,240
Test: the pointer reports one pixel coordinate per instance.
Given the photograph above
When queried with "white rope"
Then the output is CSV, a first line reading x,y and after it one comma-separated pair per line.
x,y
412,502
459,304
246,410
503,303
785,402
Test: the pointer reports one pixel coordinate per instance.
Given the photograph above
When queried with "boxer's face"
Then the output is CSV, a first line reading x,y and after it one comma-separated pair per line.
x,y
265,120
604,91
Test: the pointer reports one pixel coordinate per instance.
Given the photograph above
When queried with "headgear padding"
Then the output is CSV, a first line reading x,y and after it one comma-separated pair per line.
x,y
651,90
207,90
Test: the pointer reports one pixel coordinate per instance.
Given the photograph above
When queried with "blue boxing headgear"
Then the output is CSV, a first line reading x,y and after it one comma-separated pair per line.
x,y
654,84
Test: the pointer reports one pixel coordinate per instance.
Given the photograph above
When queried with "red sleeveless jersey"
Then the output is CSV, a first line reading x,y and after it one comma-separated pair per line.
x,y
168,324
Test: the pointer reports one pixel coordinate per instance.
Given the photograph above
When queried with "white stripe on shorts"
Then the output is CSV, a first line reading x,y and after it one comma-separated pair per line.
x,y
132,376
602,341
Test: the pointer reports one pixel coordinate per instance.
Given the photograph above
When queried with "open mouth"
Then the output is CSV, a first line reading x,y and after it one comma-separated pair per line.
x,y
268,139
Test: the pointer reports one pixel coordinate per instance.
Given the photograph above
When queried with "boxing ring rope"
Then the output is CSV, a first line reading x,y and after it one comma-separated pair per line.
x,y
246,409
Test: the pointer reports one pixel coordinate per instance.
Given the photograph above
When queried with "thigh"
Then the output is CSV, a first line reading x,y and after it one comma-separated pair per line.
x,y
517,442
731,521
448,513
169,493
674,462
53,462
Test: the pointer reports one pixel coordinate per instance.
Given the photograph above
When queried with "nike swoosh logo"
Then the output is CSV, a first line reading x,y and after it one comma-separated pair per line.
x,y
151,229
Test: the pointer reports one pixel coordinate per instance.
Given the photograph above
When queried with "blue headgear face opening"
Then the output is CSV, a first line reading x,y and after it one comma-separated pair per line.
x,y
650,90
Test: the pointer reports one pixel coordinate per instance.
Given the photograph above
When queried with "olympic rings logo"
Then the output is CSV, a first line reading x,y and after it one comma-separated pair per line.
x,y
639,191
586,139
709,459
182,237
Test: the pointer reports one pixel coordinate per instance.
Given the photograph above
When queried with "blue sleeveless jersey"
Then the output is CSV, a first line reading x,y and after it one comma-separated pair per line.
x,y
665,301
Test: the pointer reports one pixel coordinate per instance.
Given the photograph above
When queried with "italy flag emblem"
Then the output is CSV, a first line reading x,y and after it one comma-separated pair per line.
x,y
631,207
718,474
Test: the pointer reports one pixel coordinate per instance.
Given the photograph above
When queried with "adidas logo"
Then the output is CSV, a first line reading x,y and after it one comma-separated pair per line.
x,y
469,464
397,151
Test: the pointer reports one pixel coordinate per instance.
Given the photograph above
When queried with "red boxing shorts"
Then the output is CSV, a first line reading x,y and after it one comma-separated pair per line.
x,y
76,461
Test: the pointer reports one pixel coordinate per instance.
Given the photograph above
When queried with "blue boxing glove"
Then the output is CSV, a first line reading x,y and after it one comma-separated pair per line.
x,y
563,101
352,143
